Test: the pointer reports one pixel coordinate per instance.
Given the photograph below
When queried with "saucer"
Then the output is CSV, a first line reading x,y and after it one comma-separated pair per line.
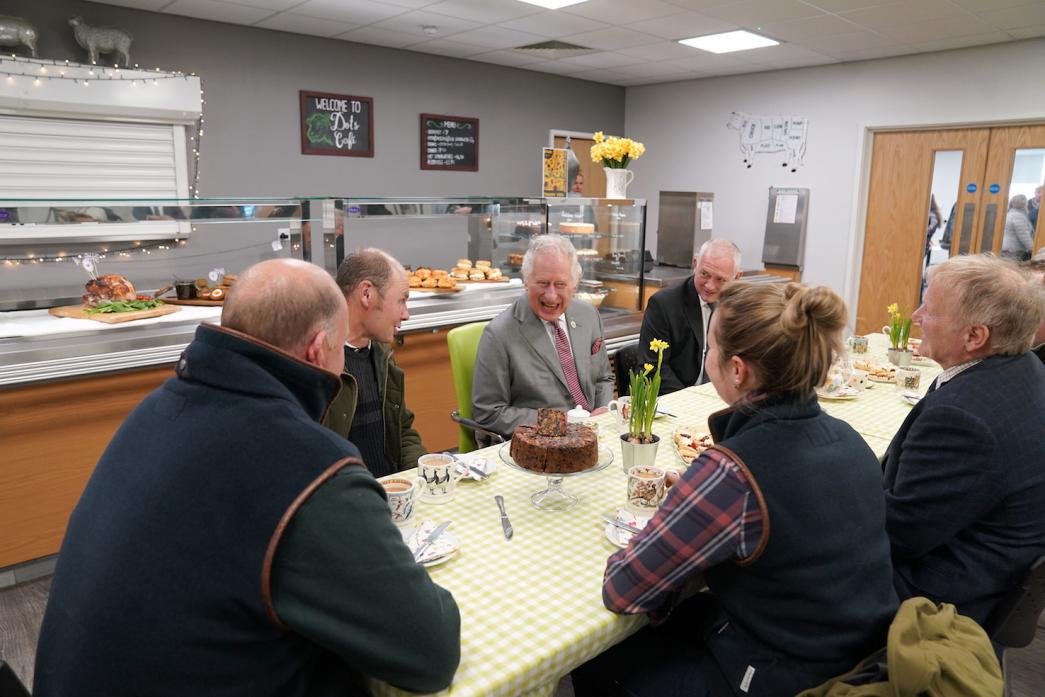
x,y
911,397
442,550
841,393
619,537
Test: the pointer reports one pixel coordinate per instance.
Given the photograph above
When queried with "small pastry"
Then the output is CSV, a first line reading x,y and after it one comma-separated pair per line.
x,y
413,281
217,294
440,273
482,264
494,274
477,276
201,283
228,280
446,282
429,283
459,274
423,273
464,263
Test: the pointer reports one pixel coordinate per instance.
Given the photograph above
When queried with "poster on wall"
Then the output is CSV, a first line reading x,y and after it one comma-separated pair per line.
x,y
767,134
449,143
336,124
555,178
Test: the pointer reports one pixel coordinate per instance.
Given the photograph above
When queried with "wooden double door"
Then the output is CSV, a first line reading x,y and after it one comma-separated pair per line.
x,y
971,174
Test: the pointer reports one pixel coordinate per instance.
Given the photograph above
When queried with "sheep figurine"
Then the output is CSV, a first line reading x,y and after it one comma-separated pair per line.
x,y
15,31
102,40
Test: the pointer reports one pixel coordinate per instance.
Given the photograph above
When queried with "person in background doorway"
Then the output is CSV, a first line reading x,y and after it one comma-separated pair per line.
x,y
1032,209
371,408
1018,241
963,476
948,230
578,183
227,543
935,220
681,316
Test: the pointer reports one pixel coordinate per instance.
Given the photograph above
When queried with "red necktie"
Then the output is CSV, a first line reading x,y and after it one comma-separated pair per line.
x,y
569,367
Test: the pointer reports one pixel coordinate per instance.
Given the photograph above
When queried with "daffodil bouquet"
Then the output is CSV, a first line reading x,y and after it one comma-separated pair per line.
x,y
614,152
899,328
644,393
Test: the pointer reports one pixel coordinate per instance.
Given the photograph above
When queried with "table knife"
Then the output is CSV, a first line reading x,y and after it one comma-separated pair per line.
x,y
621,524
478,472
431,538
505,524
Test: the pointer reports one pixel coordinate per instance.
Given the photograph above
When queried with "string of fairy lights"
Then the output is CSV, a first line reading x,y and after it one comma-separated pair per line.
x,y
38,71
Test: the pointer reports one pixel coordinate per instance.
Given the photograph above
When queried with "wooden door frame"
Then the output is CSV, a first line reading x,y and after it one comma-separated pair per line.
x,y
862,190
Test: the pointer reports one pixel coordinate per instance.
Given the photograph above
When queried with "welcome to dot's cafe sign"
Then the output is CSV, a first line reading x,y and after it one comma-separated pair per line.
x,y
337,124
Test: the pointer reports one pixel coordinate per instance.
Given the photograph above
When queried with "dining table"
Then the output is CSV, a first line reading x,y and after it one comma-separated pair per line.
x,y
531,605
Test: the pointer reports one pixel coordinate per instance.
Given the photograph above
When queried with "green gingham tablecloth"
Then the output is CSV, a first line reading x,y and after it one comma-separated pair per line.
x,y
531,607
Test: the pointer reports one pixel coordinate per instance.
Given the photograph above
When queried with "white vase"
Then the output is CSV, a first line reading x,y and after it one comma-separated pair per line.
x,y
637,453
617,181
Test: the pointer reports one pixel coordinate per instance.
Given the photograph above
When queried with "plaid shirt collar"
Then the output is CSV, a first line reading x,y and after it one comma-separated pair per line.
x,y
954,371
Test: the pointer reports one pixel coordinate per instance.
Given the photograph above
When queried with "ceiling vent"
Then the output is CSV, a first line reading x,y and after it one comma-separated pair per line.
x,y
552,50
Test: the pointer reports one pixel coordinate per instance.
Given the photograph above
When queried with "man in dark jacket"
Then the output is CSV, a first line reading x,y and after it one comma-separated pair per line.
x,y
681,315
964,475
228,544
371,409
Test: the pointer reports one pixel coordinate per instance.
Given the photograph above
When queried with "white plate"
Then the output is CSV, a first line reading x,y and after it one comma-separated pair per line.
x,y
442,550
842,393
619,537
910,397
875,378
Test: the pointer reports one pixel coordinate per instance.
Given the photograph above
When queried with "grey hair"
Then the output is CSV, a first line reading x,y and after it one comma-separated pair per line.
x,y
551,244
366,264
995,293
1018,201
719,248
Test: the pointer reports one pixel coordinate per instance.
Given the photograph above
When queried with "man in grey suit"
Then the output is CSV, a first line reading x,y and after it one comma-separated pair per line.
x,y
543,351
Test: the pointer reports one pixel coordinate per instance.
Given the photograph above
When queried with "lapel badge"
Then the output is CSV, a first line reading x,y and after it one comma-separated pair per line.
x,y
573,325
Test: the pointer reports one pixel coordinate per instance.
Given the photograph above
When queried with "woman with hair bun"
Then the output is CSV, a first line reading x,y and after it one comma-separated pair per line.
x,y
783,519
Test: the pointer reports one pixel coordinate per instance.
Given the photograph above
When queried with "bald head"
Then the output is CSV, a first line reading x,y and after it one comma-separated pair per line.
x,y
287,303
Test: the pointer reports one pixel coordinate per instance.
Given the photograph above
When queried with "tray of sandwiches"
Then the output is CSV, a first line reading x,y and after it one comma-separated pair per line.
x,y
444,281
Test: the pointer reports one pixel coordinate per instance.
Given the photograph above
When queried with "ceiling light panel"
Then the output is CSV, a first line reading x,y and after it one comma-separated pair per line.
x,y
729,42
554,4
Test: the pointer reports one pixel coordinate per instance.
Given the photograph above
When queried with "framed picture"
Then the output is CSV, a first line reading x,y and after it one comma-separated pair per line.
x,y
336,124
449,143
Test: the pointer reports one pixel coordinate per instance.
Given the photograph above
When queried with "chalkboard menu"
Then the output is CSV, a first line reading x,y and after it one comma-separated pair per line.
x,y
449,143
337,124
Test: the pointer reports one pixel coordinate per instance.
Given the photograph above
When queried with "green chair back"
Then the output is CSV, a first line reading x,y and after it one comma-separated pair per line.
x,y
463,343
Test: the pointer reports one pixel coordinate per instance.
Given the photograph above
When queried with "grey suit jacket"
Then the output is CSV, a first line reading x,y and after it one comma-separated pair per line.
x,y
517,369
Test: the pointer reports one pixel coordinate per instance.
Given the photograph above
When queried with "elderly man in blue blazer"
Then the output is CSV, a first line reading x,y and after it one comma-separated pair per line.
x,y
543,350
965,474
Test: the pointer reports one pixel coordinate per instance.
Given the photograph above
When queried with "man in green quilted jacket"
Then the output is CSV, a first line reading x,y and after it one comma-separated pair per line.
x,y
371,409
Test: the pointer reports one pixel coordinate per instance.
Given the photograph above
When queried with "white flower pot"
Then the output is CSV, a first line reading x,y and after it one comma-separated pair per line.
x,y
617,181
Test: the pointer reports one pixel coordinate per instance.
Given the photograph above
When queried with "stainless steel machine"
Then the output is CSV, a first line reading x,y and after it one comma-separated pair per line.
x,y
684,223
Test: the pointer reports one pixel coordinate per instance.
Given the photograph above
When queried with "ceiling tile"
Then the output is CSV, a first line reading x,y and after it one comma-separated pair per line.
x,y
622,12
755,13
864,54
446,47
938,29
217,11
354,11
700,5
274,5
380,37
485,11
1016,17
785,56
557,67
601,75
855,41
510,58
1027,32
496,37
649,69
150,5
899,13
797,30
413,23
707,63
987,5
611,39
844,5
665,50
683,25
554,24
300,24
994,37
603,59
409,4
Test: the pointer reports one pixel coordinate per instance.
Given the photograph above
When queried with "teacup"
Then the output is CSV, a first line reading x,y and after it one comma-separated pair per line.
x,y
857,344
908,378
858,378
645,488
439,476
401,492
621,409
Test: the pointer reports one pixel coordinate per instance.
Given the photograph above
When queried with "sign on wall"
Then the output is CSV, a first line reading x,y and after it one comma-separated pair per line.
x,y
554,173
449,143
766,134
337,124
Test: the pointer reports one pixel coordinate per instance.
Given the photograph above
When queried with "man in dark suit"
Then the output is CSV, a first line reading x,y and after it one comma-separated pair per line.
x,y
681,315
965,474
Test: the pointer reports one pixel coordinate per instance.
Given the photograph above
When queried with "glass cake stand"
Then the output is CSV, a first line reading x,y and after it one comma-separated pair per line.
x,y
554,497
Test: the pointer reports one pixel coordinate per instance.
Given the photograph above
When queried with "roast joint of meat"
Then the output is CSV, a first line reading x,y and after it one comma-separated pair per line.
x,y
108,288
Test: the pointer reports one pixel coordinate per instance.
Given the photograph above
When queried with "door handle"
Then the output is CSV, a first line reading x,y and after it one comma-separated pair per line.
x,y
990,217
965,239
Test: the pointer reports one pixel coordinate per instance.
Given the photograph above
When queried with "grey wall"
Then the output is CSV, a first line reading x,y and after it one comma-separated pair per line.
x,y
251,78
688,147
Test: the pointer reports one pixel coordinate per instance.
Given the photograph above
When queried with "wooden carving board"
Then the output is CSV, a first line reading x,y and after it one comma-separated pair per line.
x,y
80,312
200,302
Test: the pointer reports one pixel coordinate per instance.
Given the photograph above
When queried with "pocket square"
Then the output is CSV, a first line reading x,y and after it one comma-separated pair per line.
x,y
596,346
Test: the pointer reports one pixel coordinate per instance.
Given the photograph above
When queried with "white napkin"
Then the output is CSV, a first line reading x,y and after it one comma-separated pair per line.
x,y
626,516
443,546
